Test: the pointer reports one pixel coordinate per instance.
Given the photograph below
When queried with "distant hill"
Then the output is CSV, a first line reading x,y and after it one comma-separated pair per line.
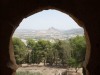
x,y
78,31
51,33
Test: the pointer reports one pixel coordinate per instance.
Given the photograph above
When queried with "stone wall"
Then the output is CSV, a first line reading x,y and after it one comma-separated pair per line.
x,y
84,12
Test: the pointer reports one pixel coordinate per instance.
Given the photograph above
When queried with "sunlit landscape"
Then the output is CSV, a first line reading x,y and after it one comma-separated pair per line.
x,y
49,49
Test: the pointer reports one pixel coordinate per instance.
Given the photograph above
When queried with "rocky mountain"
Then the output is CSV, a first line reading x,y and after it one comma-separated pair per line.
x,y
51,33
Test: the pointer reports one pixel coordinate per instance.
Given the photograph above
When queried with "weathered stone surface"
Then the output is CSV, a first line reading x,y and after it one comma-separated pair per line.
x,y
84,12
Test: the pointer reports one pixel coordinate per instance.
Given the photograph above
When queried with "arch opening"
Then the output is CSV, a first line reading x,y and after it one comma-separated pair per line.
x,y
42,34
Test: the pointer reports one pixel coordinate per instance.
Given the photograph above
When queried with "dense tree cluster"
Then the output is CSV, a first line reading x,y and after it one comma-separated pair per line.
x,y
69,52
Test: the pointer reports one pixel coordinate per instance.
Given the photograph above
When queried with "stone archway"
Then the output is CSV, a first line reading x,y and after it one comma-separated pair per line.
x,y
12,13
85,33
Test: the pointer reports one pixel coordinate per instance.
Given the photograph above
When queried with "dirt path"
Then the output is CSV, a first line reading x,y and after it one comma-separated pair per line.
x,y
43,70
50,70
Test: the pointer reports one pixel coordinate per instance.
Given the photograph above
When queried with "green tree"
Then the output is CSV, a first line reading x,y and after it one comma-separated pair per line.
x,y
39,50
30,45
66,52
51,54
78,45
20,50
43,47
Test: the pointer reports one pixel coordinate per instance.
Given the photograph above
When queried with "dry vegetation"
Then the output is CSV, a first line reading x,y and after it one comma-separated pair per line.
x,y
49,70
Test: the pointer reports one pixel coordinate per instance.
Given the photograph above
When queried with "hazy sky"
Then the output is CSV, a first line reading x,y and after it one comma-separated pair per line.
x,y
47,19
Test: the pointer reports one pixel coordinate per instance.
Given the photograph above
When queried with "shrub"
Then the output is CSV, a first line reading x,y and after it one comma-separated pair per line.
x,y
27,73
